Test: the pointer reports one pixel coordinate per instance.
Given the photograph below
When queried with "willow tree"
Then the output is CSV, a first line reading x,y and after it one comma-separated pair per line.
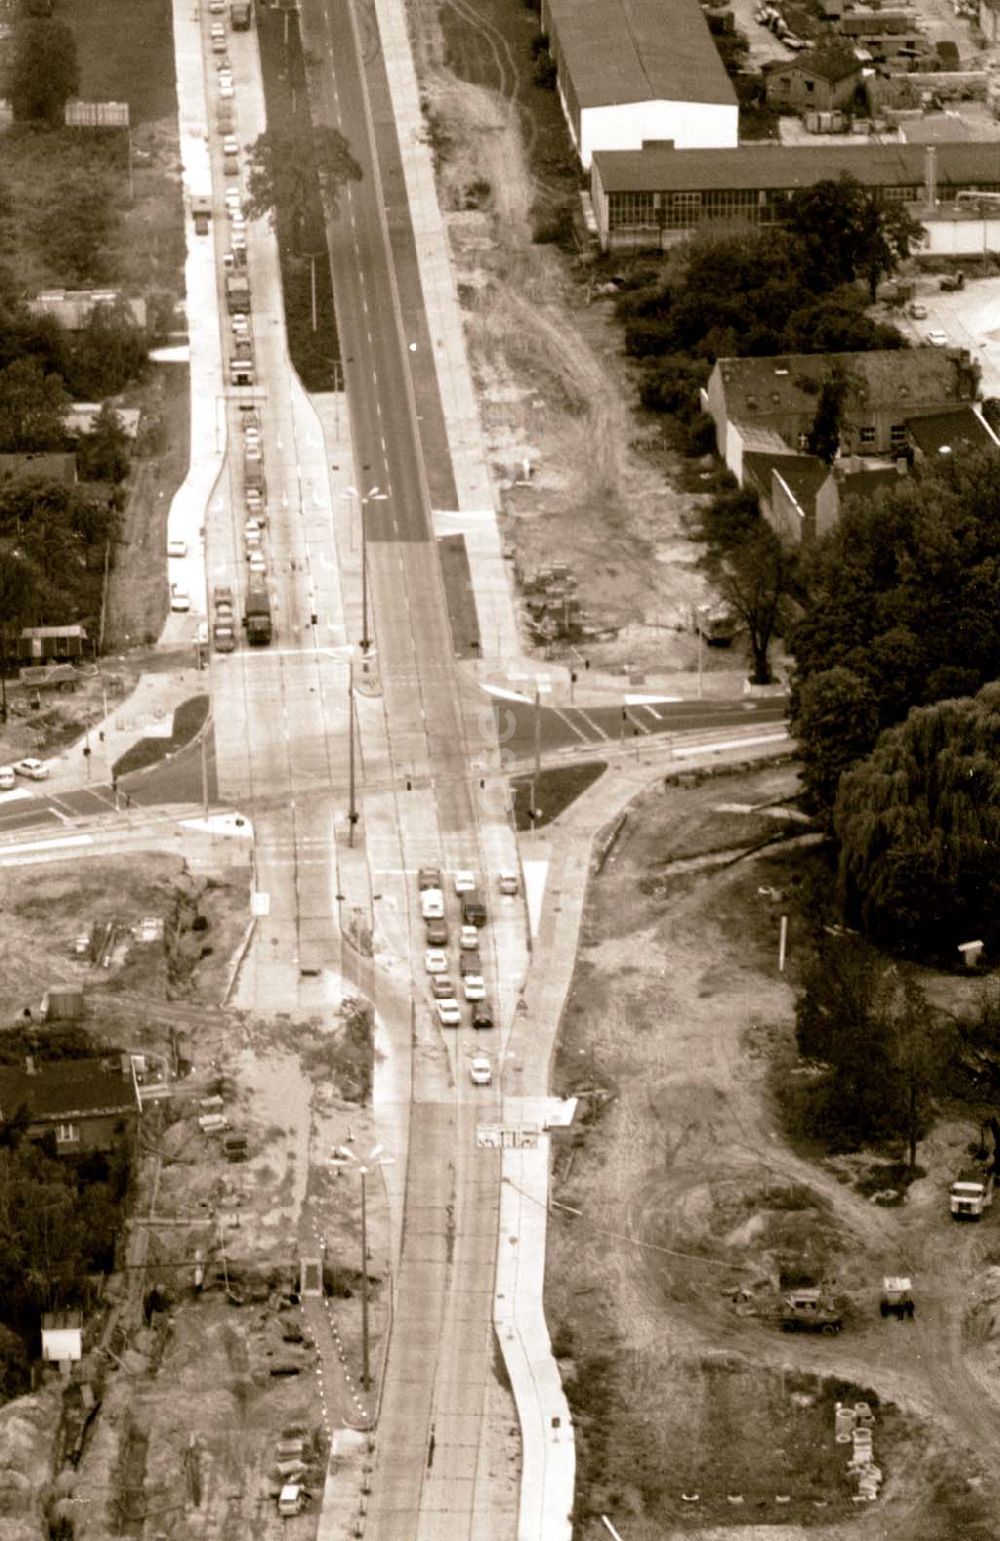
x,y
919,829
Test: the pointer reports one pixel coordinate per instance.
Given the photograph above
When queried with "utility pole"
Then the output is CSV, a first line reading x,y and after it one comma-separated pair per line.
x,y
365,1375
365,642
352,815
536,774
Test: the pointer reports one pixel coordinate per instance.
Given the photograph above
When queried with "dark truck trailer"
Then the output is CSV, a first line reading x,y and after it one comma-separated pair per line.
x,y
237,294
257,616
240,15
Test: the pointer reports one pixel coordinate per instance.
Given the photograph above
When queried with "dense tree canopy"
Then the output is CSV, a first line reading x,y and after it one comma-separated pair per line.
x,y
845,231
45,72
883,1046
32,407
286,166
918,823
905,595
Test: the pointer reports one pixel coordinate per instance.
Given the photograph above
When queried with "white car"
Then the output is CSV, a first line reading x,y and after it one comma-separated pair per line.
x,y
252,450
233,199
34,770
475,987
177,548
7,778
241,325
468,937
435,961
432,904
226,90
180,599
508,882
449,1013
480,1071
253,526
256,563
239,240
230,145
465,882
937,339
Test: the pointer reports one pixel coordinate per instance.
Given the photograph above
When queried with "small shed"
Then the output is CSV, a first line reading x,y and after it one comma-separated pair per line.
x,y
38,644
62,1337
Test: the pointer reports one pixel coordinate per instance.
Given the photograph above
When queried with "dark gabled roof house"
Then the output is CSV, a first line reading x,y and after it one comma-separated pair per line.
x,y
87,1104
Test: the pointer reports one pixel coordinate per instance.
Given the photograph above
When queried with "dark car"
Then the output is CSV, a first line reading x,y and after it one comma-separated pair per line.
x,y
437,933
469,963
482,1014
428,877
473,909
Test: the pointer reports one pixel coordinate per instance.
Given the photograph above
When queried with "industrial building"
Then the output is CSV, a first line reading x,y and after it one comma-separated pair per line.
x,y
635,70
657,194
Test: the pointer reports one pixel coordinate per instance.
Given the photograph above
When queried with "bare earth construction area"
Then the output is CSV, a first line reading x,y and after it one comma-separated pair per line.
x,y
681,1213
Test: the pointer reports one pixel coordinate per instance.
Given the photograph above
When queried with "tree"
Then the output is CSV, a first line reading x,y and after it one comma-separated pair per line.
x,y
103,454
33,405
844,232
19,583
109,352
45,72
919,829
77,232
286,168
835,719
884,1047
905,592
753,579
823,438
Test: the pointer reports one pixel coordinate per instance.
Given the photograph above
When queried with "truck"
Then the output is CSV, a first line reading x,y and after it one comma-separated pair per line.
x,y
717,624
241,371
971,1194
240,15
257,614
201,213
253,473
237,294
807,1310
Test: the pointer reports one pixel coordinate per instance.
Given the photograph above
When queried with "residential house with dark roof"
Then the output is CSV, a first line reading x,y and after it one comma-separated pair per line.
x,y
802,498
658,194
769,404
86,1104
633,70
955,432
822,80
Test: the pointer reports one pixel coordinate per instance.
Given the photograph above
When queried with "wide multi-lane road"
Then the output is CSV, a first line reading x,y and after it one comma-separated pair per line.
x,y
433,1447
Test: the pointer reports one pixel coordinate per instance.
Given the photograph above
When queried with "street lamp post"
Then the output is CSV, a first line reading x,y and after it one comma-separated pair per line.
x,y
373,495
342,1157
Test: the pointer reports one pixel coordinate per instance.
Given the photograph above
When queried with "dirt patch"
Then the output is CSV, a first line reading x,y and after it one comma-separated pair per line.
x,y
665,1289
555,394
137,588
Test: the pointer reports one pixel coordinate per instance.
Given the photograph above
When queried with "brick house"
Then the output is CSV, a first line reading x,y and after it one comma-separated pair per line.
x,y
769,404
823,80
87,1104
801,498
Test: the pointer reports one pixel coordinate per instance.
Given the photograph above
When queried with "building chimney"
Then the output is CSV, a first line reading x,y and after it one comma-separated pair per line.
x,y
930,176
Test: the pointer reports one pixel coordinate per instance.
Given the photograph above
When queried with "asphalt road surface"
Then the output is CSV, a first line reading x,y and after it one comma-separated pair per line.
x,y
572,727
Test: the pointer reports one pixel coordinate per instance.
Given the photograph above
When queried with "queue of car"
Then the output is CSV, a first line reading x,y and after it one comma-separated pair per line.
x,y
474,917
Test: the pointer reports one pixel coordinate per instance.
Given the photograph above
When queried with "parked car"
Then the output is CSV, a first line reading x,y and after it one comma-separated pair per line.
x,y
428,877
432,904
180,599
465,882
226,91
256,563
449,1013
468,937
7,778
508,882
230,145
475,987
218,45
437,933
230,166
937,338
31,769
435,961
480,1071
482,1015
918,311
442,988
177,548
469,962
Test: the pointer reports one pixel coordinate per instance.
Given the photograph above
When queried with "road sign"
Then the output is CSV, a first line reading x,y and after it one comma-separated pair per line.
x,y
506,1136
